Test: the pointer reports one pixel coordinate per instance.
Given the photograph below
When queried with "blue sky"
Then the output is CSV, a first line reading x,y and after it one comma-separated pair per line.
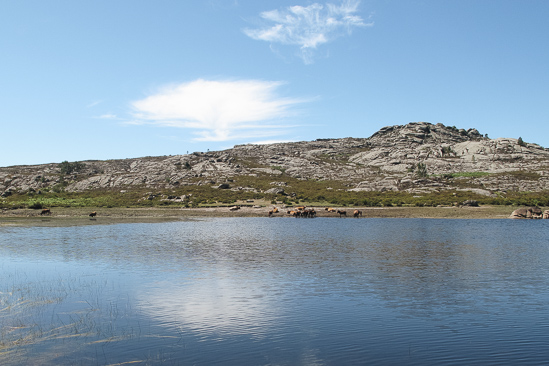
x,y
120,79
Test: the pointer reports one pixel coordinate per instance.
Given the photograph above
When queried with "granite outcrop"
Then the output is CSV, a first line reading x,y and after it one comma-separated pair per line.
x,y
416,157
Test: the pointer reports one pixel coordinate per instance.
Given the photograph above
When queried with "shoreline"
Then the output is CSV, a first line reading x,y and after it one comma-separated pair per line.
x,y
80,216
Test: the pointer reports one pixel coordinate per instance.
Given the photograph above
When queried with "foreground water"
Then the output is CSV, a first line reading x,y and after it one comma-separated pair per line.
x,y
279,291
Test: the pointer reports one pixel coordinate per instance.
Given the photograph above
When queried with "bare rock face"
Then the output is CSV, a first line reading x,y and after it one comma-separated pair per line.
x,y
417,157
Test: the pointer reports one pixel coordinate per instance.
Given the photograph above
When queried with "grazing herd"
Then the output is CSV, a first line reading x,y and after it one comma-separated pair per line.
x,y
309,212
302,212
299,212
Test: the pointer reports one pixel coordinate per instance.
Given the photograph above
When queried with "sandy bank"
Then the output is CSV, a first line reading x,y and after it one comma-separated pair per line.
x,y
104,215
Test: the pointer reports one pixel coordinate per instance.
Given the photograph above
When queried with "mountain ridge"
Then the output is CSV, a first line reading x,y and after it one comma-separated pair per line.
x,y
417,158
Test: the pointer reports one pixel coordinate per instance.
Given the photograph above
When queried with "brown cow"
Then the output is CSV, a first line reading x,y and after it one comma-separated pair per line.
x,y
330,209
45,211
357,213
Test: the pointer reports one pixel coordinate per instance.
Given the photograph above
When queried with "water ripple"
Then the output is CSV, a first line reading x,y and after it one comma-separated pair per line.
x,y
279,291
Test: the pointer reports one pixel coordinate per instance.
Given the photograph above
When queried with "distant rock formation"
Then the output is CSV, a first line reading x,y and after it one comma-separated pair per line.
x,y
418,157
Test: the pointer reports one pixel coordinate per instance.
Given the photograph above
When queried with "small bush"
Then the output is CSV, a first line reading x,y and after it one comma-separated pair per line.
x,y
67,168
421,170
36,205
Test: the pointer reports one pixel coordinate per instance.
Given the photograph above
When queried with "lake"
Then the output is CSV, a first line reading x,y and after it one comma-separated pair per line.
x,y
276,291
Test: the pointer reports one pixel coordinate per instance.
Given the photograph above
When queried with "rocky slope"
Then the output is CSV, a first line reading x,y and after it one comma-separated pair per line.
x,y
416,157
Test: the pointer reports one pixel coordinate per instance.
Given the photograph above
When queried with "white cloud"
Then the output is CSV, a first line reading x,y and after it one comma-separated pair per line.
x,y
218,110
218,304
308,26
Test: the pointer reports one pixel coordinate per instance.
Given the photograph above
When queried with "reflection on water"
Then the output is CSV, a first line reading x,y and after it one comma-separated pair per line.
x,y
277,291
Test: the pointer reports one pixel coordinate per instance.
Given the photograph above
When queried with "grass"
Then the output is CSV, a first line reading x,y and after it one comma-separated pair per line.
x,y
521,175
296,191
313,193
516,174
46,321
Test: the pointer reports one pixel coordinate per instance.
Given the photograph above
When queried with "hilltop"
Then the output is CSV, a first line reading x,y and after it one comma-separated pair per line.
x,y
395,165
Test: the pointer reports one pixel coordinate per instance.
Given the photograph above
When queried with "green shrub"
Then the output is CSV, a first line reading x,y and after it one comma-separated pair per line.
x,y
67,168
35,205
421,170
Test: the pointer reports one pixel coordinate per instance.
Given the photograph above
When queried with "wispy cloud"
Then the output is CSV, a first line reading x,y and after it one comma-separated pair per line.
x,y
309,26
218,110
94,103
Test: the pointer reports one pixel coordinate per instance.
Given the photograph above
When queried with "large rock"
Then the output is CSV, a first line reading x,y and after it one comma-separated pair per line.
x,y
470,203
527,213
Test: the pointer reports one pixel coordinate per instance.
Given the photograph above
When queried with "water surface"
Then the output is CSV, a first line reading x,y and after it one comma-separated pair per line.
x,y
277,291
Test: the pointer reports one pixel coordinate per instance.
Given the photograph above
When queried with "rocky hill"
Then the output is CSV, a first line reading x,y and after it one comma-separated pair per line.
x,y
417,157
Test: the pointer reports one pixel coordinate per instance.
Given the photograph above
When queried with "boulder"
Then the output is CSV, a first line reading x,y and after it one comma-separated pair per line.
x,y
527,213
275,190
470,203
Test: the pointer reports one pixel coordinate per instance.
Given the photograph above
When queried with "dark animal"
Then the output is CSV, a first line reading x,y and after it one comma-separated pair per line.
x,y
310,212
357,213
45,211
93,214
342,213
